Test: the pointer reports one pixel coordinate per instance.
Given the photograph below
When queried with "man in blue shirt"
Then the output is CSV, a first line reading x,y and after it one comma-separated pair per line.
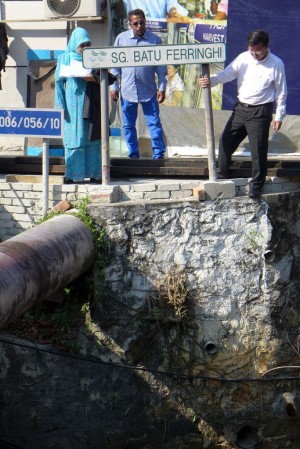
x,y
157,9
138,85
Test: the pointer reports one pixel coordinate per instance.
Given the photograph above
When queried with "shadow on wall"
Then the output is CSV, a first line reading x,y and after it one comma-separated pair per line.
x,y
148,377
287,140
193,386
18,50
186,127
9,224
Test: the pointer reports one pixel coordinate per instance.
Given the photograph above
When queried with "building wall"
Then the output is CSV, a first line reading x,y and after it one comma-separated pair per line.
x,y
27,30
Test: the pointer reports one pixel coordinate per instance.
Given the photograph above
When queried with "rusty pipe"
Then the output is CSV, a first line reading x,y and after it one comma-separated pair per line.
x,y
40,261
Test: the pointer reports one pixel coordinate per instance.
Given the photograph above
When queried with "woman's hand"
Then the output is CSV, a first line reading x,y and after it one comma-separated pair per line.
x,y
114,95
89,78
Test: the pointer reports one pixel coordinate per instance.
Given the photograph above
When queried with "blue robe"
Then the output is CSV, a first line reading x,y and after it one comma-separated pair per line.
x,y
82,157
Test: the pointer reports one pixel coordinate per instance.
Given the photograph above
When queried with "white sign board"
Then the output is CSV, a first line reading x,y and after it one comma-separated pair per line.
x,y
109,57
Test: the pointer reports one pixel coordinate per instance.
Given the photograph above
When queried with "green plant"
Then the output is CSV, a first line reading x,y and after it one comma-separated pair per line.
x,y
53,324
97,283
254,241
99,234
101,244
49,216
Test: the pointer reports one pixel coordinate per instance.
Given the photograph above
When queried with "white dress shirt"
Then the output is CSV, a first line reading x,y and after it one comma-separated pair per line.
x,y
258,82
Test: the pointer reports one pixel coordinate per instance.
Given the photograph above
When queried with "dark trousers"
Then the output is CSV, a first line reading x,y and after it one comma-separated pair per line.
x,y
254,122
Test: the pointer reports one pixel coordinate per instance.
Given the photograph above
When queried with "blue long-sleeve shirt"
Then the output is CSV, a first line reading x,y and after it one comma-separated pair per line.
x,y
139,83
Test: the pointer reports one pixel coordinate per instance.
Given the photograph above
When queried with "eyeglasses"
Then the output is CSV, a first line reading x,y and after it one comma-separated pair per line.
x,y
140,22
257,53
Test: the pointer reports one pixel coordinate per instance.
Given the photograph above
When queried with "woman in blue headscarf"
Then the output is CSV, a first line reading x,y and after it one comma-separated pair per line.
x,y
82,157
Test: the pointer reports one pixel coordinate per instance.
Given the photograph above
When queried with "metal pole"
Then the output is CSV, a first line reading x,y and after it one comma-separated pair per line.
x,y
104,126
209,126
45,176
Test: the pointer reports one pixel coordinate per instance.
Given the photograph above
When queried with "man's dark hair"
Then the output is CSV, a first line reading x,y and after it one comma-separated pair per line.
x,y
258,37
136,12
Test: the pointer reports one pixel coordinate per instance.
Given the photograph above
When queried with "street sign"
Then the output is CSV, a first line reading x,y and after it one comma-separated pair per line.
x,y
109,57
45,123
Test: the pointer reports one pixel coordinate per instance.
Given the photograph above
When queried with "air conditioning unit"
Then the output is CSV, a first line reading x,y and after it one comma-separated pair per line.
x,y
71,8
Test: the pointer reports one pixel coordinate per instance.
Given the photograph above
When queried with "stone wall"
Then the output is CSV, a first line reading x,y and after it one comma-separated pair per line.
x,y
190,344
21,196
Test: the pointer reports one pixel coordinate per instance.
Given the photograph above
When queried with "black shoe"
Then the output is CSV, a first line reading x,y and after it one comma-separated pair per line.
x,y
68,181
96,180
254,192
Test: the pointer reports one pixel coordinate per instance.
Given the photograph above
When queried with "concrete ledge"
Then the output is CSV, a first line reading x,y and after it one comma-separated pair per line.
x,y
218,190
34,179
106,194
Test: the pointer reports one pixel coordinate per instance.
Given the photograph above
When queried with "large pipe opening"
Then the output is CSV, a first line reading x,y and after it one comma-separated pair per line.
x,y
247,438
291,411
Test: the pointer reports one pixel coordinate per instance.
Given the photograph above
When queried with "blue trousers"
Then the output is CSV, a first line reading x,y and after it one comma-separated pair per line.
x,y
151,113
83,162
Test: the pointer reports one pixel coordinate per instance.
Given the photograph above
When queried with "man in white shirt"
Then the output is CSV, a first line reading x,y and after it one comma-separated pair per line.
x,y
261,81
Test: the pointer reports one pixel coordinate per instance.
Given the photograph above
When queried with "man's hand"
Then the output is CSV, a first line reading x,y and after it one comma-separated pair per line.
x,y
161,96
203,81
277,125
114,95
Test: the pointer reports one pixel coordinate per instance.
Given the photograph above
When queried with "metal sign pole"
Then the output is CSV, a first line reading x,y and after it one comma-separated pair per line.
x,y
45,176
104,126
209,126
44,123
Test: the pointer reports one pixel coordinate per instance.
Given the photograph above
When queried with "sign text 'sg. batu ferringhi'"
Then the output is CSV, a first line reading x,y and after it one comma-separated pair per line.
x,y
109,57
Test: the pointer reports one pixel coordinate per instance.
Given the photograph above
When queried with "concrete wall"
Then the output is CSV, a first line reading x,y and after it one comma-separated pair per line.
x,y
21,197
150,375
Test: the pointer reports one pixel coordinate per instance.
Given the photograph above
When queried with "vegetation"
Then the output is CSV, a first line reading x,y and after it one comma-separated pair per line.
x,y
254,242
168,303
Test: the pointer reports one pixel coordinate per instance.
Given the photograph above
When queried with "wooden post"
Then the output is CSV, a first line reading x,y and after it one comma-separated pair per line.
x,y
209,126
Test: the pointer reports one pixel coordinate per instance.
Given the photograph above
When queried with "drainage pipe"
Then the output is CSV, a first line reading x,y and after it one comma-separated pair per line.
x,y
40,261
